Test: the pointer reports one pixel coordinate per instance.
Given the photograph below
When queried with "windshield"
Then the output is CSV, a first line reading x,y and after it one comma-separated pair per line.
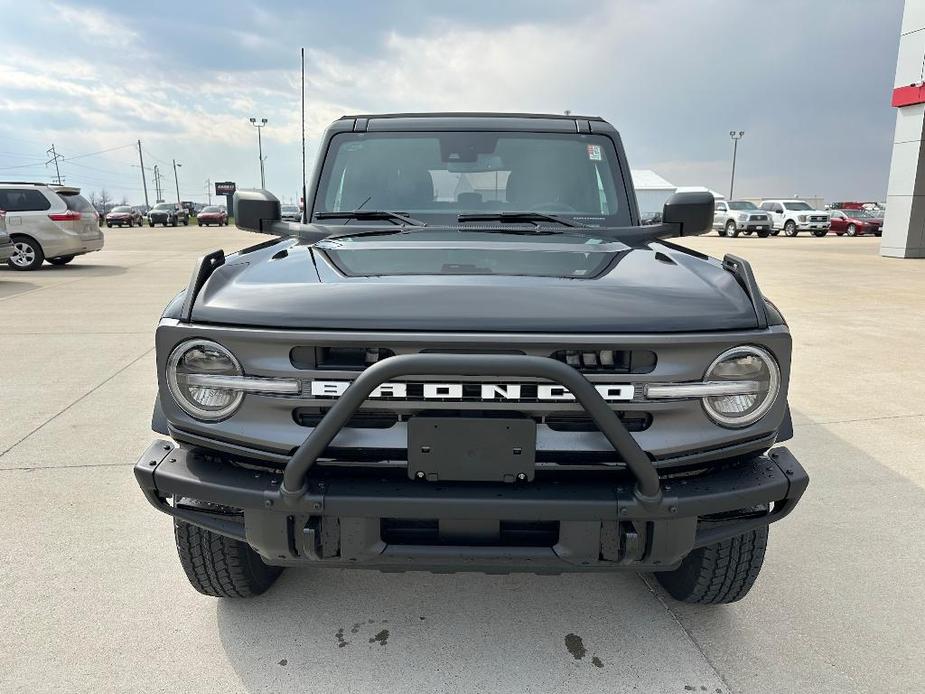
x,y
211,209
436,176
121,209
742,205
797,206
289,208
164,206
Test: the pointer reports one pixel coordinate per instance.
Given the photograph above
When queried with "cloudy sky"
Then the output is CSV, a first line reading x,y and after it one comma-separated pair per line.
x,y
809,83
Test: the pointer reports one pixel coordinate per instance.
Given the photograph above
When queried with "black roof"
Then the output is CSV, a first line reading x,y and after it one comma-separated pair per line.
x,y
530,122
473,114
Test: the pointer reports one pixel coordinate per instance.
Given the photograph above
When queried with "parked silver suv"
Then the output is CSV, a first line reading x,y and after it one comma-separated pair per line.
x,y
47,222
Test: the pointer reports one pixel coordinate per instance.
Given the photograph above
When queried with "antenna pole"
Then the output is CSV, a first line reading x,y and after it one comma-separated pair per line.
x,y
304,201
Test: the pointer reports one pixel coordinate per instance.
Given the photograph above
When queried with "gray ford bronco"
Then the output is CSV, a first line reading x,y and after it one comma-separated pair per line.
x,y
472,357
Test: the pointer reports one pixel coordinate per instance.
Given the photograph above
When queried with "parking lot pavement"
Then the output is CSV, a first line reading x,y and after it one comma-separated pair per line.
x,y
93,599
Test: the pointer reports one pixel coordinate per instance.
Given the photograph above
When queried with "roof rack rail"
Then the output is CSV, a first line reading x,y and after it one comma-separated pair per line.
x,y
742,271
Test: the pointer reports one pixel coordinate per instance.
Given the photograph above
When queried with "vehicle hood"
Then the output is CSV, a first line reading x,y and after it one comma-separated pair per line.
x,y
656,288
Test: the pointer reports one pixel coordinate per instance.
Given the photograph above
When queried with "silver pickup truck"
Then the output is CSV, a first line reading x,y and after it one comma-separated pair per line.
x,y
734,216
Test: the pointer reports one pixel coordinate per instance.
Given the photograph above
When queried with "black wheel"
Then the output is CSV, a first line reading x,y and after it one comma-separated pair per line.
x,y
748,233
199,223
109,224
763,234
775,232
790,228
719,573
27,254
61,260
879,232
731,229
173,222
219,566
819,233
186,222
852,230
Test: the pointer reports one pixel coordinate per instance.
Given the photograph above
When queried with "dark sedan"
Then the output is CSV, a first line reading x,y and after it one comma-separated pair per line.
x,y
212,215
124,216
856,222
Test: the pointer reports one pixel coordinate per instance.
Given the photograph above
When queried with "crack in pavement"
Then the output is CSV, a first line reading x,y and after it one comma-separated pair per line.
x,y
687,632
80,399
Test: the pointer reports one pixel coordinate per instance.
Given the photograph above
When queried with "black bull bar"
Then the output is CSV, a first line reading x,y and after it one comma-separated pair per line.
x,y
652,524
647,489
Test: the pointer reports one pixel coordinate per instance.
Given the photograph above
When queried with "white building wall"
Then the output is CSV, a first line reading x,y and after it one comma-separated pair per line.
x,y
904,223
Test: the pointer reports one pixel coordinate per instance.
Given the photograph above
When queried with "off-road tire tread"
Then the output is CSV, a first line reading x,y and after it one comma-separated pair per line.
x,y
220,566
719,573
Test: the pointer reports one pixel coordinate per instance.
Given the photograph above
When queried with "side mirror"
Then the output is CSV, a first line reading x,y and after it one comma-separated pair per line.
x,y
692,211
256,210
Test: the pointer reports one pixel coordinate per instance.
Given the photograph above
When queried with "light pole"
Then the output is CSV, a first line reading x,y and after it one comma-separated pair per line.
x,y
736,136
259,126
176,179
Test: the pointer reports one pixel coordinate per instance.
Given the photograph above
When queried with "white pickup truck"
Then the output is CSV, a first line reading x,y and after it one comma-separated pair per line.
x,y
794,216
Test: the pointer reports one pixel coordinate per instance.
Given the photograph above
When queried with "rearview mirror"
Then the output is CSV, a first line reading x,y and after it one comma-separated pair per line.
x,y
256,210
692,211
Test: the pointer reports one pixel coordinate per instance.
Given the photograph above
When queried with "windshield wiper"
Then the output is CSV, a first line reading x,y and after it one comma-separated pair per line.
x,y
370,215
515,217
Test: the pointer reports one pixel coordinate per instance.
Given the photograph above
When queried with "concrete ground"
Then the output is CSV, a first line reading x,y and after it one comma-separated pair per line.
x,y
92,597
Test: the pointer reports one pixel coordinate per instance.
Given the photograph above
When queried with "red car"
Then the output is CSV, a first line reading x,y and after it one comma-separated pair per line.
x,y
212,215
855,222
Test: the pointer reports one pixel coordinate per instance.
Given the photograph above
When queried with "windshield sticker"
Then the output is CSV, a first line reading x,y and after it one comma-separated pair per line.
x,y
594,152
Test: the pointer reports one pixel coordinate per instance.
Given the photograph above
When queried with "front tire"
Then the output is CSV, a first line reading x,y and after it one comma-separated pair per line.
x,y
731,229
27,254
61,260
763,234
220,566
719,573
790,228
852,230
819,233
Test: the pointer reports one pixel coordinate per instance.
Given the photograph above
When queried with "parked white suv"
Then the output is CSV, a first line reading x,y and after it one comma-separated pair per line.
x,y
794,216
47,222
733,216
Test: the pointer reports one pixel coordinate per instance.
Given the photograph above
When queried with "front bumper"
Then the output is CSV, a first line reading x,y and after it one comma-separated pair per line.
x,y
352,521
813,226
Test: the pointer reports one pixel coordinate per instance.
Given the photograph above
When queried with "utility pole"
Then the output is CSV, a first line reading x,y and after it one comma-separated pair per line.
x,y
736,136
157,184
54,158
259,126
144,182
209,189
176,180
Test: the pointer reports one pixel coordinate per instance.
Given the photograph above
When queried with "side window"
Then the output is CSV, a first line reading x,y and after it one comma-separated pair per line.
x,y
766,206
22,200
720,207
778,208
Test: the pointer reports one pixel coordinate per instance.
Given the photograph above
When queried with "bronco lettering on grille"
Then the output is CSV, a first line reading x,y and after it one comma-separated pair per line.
x,y
472,391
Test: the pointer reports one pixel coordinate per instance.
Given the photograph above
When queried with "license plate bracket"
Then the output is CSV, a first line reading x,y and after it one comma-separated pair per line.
x,y
471,449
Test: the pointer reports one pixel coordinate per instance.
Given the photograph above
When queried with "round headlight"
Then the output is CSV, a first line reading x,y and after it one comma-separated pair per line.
x,y
746,364
203,357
